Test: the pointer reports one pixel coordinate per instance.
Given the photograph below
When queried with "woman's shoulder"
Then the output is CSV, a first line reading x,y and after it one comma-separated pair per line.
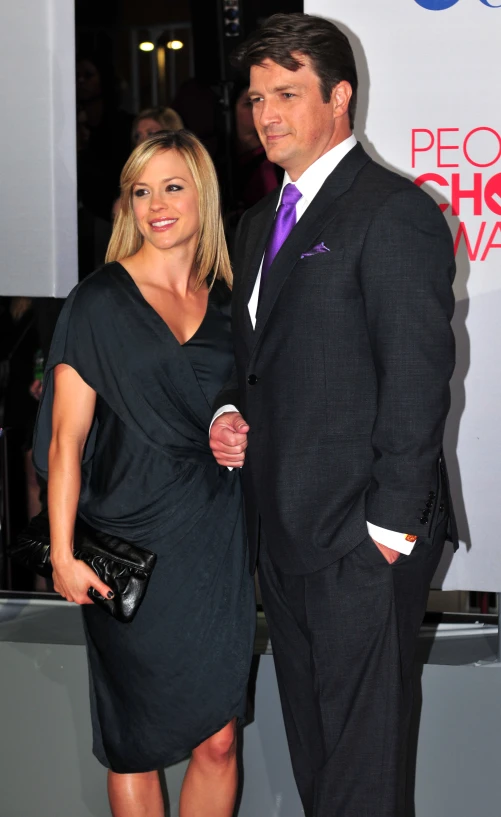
x,y
221,293
93,292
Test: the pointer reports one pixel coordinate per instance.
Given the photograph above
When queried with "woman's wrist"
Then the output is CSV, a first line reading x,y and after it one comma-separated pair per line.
x,y
61,559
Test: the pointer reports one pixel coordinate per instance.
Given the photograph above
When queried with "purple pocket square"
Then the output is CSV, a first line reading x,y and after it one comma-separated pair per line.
x,y
316,249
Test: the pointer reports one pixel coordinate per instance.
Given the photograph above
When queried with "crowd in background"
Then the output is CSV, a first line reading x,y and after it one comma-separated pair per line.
x,y
106,134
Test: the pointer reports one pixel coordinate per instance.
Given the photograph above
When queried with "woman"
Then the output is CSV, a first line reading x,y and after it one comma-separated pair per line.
x,y
153,120
103,137
253,175
141,349
146,124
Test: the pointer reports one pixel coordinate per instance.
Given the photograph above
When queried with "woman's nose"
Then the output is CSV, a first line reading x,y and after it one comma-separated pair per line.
x,y
157,203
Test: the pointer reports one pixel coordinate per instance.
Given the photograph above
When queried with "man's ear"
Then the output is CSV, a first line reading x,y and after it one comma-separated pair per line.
x,y
340,98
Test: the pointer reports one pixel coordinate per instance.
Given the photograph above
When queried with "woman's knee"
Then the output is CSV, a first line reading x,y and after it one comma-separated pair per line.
x,y
219,749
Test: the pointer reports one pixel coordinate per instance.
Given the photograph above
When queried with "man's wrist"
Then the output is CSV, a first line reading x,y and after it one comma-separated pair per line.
x,y
223,410
401,542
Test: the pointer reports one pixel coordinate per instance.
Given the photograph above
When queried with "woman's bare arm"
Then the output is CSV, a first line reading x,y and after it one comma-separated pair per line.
x,y
72,416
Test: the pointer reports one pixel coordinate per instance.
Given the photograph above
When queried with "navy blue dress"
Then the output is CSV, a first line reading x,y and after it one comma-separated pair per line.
x,y
178,673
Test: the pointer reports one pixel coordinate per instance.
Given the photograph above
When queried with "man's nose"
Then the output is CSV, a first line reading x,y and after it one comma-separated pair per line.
x,y
268,113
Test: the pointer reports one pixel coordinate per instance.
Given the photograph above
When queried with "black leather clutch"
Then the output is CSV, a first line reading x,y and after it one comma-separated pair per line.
x,y
124,567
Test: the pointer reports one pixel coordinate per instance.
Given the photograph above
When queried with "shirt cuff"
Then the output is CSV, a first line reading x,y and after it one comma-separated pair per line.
x,y
401,542
223,410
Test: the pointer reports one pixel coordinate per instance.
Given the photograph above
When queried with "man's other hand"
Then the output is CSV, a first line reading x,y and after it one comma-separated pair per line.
x,y
389,554
228,439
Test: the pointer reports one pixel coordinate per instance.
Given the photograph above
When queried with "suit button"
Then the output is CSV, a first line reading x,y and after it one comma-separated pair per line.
x,y
432,495
442,506
252,380
429,503
423,520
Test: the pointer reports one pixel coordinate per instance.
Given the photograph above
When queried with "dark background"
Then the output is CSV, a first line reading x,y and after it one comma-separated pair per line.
x,y
107,26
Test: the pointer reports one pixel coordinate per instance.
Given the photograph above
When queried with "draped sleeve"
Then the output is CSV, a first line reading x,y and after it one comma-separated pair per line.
x,y
73,343
120,347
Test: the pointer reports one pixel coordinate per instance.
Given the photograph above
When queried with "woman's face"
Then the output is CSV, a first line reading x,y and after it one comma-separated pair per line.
x,y
144,129
88,81
244,117
165,202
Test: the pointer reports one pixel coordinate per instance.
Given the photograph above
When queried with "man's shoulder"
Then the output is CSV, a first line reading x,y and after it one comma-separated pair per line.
x,y
269,201
381,193
380,178
381,184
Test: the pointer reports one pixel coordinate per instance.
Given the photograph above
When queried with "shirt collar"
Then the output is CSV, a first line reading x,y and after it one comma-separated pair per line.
x,y
310,182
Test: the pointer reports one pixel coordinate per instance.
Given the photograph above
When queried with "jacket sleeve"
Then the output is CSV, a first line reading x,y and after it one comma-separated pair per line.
x,y
229,394
407,270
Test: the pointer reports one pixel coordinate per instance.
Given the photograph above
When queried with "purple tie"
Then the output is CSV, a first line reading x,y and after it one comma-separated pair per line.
x,y
285,220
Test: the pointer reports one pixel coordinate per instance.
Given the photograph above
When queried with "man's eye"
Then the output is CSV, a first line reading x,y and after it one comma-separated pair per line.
x,y
255,99
288,96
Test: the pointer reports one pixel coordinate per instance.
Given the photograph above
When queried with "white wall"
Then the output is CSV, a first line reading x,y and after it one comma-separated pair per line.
x,y
38,205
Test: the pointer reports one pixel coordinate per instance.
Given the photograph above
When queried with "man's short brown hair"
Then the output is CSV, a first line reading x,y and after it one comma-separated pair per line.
x,y
284,35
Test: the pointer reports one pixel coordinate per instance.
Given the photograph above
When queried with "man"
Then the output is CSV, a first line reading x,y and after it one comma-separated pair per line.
x,y
344,351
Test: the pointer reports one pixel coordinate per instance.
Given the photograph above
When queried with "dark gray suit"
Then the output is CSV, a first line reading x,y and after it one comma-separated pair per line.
x,y
345,385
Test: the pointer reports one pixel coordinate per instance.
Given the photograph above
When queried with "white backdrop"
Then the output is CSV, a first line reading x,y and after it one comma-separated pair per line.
x,y
38,205
430,108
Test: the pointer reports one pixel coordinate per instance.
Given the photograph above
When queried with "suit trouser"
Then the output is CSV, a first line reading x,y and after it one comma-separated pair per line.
x,y
344,641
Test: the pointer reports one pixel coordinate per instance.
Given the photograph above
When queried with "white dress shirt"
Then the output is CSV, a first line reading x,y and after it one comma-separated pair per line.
x,y
308,185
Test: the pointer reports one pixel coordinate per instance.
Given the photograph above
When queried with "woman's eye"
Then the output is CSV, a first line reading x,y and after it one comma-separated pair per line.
x,y
140,193
174,188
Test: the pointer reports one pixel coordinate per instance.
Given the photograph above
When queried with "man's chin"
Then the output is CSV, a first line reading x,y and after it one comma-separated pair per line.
x,y
276,153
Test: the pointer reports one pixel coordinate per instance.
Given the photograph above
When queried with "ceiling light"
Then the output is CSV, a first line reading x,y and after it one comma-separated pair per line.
x,y
146,46
175,45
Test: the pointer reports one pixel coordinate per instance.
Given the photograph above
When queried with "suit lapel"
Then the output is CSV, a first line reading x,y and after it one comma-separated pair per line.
x,y
259,230
322,209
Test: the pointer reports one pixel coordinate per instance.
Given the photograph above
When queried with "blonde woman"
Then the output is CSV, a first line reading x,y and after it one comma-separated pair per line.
x,y
141,349
146,124
152,120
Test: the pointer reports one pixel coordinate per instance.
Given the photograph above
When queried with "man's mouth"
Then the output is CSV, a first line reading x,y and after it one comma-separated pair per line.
x,y
271,137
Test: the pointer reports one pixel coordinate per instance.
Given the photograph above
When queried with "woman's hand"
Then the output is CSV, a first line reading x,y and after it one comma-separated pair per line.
x,y
73,578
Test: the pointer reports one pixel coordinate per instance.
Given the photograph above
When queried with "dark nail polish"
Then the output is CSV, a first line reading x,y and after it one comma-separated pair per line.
x,y
110,594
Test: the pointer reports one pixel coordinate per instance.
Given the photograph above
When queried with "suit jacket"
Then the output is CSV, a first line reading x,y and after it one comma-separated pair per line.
x,y
345,379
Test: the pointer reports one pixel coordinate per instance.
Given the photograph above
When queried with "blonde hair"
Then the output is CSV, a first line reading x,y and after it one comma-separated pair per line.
x,y
18,307
168,118
212,253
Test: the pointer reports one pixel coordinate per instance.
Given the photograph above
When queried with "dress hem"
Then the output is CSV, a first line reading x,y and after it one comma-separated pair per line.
x,y
241,721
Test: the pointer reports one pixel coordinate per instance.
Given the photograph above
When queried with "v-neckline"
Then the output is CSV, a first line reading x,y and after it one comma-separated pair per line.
x,y
158,315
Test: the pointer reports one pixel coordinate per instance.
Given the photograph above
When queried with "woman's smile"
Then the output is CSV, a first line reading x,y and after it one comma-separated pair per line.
x,y
160,225
166,197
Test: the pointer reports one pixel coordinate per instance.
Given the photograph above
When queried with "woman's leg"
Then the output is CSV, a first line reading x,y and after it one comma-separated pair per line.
x,y
135,795
210,785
